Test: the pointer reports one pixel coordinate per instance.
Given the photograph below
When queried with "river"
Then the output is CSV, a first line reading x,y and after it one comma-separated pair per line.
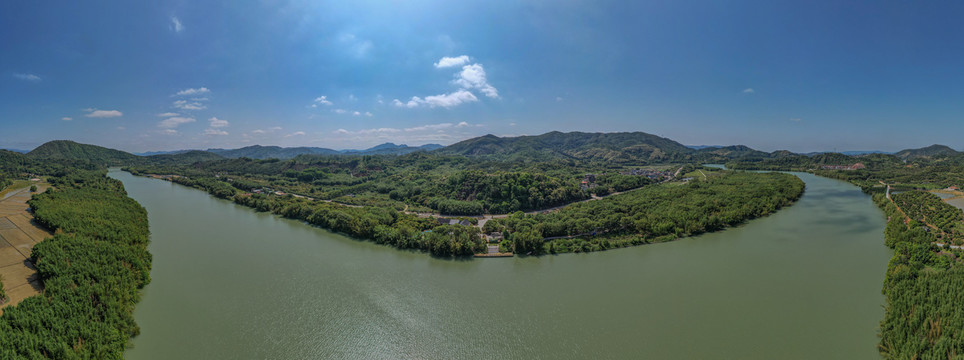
x,y
232,283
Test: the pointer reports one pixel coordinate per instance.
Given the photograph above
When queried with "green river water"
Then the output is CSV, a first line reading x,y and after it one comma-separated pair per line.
x,y
232,283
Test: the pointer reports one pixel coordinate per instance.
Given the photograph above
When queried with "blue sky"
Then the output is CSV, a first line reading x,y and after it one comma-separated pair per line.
x,y
159,75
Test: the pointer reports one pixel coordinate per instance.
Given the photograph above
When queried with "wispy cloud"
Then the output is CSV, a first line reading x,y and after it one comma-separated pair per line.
x,y
174,122
296,133
322,100
217,123
795,119
213,131
176,25
185,105
354,46
94,113
197,91
27,77
449,100
167,114
66,118
340,111
748,91
452,61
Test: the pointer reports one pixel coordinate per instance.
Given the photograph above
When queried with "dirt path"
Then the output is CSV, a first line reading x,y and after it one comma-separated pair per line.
x,y
18,234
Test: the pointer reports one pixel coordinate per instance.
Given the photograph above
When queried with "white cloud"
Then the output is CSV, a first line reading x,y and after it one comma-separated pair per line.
x,y
185,105
322,100
200,99
27,77
351,97
452,61
169,132
368,114
276,128
296,133
356,113
217,123
473,77
197,91
121,128
94,113
795,119
258,131
748,91
66,118
167,114
176,24
340,111
173,122
558,99
453,99
462,124
511,124
341,131
213,131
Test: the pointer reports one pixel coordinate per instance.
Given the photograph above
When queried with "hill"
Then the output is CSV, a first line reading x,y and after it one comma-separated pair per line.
x,y
69,150
187,157
277,152
930,152
623,147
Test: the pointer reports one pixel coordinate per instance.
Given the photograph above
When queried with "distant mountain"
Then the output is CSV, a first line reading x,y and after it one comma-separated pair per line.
x,y
277,152
271,152
69,150
733,152
16,150
608,147
185,157
171,152
392,149
930,152
700,147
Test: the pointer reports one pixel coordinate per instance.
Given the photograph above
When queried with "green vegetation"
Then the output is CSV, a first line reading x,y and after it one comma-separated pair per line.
x,y
3,294
652,214
924,283
64,149
91,270
927,209
33,188
923,319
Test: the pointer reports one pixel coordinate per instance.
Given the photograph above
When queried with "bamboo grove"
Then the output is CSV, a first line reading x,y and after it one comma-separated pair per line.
x,y
91,269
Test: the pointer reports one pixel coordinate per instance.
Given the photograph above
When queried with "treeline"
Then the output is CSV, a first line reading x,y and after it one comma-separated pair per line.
x,y
382,225
422,182
923,286
652,214
91,270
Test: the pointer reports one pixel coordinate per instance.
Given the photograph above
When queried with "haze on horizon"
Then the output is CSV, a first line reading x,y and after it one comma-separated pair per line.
x,y
811,76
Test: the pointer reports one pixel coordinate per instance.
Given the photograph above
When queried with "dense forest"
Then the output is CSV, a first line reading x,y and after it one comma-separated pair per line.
x,y
923,318
92,270
451,185
652,214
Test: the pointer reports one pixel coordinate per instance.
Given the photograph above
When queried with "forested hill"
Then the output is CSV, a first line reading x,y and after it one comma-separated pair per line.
x,y
277,152
65,150
69,150
930,152
622,147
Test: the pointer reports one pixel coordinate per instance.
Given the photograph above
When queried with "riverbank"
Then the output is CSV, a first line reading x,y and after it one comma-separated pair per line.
x,y
803,283
663,212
